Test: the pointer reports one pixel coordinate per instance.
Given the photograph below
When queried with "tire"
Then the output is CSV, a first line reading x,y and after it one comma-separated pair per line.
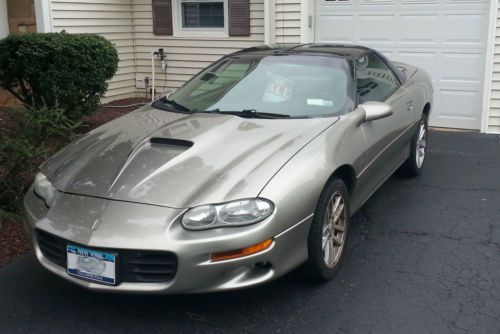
x,y
418,150
328,235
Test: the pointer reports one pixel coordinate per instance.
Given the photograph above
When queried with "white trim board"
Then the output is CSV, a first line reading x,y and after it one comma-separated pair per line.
x,y
307,17
43,13
4,19
488,69
269,22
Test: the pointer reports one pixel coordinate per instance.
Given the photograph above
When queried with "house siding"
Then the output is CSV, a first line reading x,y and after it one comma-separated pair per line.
x,y
111,19
186,56
287,21
494,112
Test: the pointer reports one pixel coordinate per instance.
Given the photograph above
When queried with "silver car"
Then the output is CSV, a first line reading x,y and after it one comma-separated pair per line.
x,y
251,169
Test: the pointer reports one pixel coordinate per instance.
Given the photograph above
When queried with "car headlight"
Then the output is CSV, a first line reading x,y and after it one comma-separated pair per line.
x,y
44,189
235,213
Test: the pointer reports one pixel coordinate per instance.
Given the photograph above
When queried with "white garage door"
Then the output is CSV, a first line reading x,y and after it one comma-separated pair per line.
x,y
445,37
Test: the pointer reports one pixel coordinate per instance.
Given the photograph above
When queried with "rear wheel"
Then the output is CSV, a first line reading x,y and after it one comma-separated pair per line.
x,y
415,162
328,233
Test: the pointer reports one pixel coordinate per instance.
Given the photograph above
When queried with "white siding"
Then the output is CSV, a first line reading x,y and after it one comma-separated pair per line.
x,y
111,19
287,21
494,115
186,56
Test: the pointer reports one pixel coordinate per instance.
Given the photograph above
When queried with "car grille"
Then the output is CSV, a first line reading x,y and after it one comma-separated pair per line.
x,y
135,266
52,247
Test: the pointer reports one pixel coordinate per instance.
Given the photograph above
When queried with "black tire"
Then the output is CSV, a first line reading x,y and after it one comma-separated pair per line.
x,y
316,267
411,167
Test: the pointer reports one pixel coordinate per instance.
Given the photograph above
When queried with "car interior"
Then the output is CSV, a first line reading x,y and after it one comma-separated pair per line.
x,y
375,81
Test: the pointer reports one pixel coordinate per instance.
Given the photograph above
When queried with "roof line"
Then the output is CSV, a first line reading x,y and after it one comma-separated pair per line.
x,y
295,47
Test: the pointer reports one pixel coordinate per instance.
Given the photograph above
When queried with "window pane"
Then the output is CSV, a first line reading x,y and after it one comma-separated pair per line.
x,y
375,80
190,15
295,85
203,15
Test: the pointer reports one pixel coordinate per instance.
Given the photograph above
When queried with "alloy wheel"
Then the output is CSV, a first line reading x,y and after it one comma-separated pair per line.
x,y
334,230
421,144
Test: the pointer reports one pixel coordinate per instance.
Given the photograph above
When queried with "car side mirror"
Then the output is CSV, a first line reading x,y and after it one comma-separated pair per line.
x,y
376,110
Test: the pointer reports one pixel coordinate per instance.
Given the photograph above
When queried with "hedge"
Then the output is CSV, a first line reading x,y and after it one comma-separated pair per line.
x,y
58,70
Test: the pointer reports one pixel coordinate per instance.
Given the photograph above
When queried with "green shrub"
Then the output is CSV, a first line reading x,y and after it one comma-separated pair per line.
x,y
58,70
29,137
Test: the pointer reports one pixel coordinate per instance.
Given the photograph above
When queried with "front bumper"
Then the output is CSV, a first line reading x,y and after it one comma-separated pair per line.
x,y
105,224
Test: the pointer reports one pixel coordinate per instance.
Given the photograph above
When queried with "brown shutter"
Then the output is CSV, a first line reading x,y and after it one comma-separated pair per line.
x,y
162,17
239,17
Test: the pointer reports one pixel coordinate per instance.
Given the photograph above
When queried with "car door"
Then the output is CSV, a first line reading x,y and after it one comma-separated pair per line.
x,y
385,138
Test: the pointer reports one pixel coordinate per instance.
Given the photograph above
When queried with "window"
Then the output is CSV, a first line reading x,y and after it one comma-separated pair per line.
x,y
296,85
375,80
201,18
202,14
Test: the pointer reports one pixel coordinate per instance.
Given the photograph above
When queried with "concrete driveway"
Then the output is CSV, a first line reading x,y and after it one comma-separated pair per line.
x,y
424,257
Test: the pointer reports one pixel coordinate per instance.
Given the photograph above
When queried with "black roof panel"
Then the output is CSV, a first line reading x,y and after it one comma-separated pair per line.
x,y
339,50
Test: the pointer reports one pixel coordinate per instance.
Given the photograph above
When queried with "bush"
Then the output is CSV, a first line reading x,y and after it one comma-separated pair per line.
x,y
57,70
29,137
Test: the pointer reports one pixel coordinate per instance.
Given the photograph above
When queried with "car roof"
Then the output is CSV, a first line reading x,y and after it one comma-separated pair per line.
x,y
351,52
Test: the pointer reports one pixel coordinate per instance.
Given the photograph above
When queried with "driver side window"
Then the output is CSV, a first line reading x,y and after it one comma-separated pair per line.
x,y
375,80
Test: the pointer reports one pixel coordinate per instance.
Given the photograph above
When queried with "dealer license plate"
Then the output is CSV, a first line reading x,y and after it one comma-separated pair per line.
x,y
91,265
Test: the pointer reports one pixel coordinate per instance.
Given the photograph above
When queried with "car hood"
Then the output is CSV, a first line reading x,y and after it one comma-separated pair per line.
x,y
177,160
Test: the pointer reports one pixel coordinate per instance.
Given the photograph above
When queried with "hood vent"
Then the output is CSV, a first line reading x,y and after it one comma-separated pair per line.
x,y
171,142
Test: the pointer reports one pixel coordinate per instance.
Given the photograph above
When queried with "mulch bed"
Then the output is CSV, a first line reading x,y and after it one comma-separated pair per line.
x,y
13,241
110,111
13,238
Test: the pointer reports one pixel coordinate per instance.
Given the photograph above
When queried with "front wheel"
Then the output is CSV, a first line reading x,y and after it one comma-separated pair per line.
x,y
415,162
328,234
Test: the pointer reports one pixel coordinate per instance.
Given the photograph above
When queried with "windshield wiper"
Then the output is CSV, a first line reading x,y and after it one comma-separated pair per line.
x,y
248,113
172,103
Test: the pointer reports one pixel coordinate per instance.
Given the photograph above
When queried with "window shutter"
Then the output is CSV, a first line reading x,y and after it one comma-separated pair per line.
x,y
162,17
239,17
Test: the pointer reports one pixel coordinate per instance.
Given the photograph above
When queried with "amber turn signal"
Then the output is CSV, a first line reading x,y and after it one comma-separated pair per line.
x,y
242,252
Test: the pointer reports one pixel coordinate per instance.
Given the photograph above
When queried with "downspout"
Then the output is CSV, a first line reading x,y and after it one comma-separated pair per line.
x,y
132,13
269,22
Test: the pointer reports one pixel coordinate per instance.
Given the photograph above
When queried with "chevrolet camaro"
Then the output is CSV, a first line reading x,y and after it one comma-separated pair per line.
x,y
251,169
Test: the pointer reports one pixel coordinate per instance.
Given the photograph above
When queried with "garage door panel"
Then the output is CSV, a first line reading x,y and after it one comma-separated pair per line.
x,y
465,29
375,29
425,60
419,2
465,68
426,34
474,2
343,28
455,108
447,38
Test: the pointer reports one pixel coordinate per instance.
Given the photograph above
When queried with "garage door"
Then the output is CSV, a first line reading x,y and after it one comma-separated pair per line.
x,y
445,37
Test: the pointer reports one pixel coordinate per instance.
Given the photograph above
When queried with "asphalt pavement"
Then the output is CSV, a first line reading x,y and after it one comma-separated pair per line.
x,y
423,257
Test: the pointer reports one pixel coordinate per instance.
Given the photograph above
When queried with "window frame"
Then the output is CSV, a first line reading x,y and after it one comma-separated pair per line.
x,y
399,83
208,32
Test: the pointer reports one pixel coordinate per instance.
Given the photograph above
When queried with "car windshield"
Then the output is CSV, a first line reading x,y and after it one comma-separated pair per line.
x,y
290,85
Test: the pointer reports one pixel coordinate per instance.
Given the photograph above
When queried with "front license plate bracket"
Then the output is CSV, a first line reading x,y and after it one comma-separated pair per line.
x,y
92,265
